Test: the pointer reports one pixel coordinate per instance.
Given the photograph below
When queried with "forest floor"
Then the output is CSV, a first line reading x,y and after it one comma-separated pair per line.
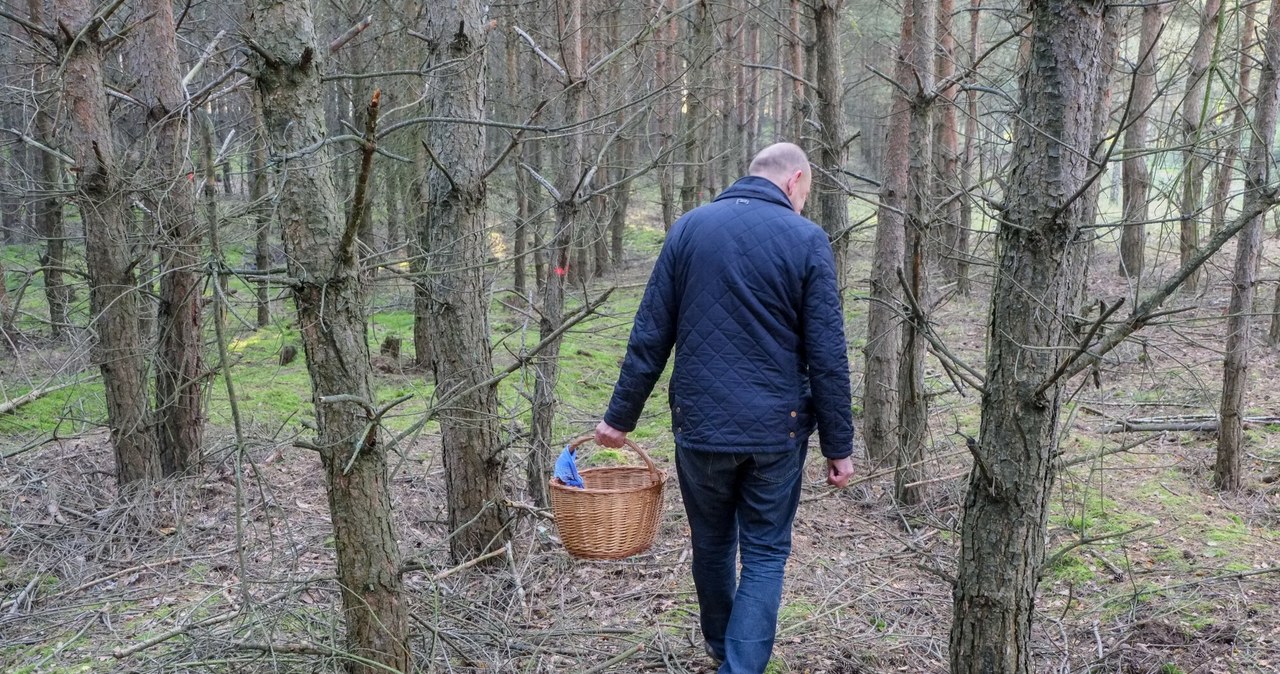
x,y
232,570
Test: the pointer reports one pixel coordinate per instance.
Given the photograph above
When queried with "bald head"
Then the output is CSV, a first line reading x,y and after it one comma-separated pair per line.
x,y
787,166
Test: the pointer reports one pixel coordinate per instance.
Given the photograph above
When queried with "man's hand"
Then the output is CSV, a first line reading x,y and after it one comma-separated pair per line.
x,y
608,436
838,470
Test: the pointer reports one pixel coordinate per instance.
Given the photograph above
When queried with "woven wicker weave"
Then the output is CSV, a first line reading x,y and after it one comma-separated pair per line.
x,y
616,514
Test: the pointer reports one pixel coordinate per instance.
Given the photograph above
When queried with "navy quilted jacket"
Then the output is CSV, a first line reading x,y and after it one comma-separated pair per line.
x,y
745,290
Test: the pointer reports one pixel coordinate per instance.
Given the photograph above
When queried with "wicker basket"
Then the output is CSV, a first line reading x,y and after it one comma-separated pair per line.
x,y
616,514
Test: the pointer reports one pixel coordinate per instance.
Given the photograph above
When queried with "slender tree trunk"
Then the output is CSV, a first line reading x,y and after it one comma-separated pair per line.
x,y
1257,179
420,246
328,294
960,247
166,165
666,110
458,312
109,235
884,329
261,221
913,407
946,146
1273,336
547,365
751,103
1137,178
1226,168
48,208
1195,107
795,63
1006,509
695,130
832,202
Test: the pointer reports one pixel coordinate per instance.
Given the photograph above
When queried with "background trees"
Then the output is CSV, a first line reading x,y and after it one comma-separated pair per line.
x,y
450,252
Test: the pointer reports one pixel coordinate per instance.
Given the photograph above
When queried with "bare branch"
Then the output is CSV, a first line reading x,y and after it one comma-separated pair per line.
x,y
204,58
551,189
41,146
30,26
346,247
533,45
350,34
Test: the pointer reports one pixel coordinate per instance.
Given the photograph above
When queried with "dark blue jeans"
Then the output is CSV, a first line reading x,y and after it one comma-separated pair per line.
x,y
740,504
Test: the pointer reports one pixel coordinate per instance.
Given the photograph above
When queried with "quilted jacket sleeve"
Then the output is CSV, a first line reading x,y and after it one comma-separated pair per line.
x,y
825,353
652,336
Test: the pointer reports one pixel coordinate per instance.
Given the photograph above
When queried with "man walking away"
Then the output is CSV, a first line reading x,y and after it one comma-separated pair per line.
x,y
745,291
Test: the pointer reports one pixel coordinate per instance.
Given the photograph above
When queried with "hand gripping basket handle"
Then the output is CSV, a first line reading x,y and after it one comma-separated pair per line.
x,y
648,462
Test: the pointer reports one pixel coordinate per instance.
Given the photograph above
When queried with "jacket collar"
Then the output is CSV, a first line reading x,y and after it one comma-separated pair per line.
x,y
755,187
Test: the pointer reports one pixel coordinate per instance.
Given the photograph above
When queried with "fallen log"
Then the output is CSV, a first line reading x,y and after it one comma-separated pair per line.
x,y
1199,423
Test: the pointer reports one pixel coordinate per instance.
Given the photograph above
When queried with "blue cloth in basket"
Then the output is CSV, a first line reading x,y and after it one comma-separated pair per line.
x,y
567,469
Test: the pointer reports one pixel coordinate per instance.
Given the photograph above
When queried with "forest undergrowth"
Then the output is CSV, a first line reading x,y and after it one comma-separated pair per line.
x,y
1149,569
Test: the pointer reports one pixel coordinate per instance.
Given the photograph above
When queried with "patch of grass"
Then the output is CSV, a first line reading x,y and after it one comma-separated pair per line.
x,y
71,411
794,612
1227,534
1070,568
606,457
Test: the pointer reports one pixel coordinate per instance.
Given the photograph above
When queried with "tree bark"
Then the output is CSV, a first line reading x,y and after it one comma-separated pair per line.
x,y
166,164
458,308
328,295
1006,508
109,236
1257,179
1195,108
1137,178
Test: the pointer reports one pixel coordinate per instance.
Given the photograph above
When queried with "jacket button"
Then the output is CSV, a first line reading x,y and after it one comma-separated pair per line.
x,y
791,434
677,410
678,429
793,413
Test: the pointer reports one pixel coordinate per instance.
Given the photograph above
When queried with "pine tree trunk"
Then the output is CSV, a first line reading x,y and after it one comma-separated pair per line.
x,y
114,297
48,208
946,189
261,222
547,365
458,309
913,410
831,200
1257,179
179,360
884,328
695,130
960,247
1195,108
330,303
1137,177
1226,166
1006,509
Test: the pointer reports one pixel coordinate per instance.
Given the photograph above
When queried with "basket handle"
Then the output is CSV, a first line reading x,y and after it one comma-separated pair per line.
x,y
648,462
